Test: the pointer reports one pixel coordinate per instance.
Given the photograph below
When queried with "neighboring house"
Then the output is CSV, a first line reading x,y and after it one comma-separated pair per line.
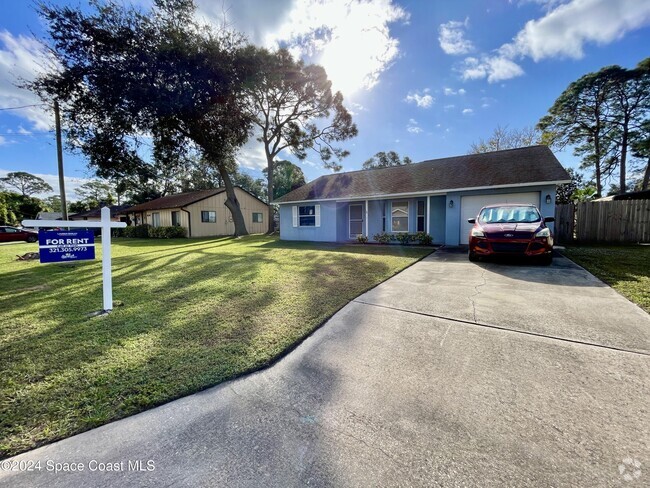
x,y
436,196
203,213
95,214
49,215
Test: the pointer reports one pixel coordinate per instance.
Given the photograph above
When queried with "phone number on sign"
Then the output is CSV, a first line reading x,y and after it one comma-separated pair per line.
x,y
67,249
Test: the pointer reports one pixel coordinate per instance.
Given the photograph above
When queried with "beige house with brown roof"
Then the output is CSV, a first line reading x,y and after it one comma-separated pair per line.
x,y
203,213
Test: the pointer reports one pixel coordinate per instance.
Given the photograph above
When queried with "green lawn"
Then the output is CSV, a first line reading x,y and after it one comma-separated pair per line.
x,y
625,268
196,313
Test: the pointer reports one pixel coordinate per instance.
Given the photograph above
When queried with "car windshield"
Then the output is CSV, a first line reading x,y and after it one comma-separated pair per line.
x,y
511,215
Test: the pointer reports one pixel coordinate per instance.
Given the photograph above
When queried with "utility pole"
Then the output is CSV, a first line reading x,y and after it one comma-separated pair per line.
x,y
59,157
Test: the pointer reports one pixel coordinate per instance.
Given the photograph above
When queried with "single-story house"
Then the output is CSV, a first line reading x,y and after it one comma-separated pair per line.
x,y
203,213
436,196
118,213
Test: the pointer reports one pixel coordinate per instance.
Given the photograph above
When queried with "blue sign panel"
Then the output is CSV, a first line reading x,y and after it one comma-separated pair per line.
x,y
60,246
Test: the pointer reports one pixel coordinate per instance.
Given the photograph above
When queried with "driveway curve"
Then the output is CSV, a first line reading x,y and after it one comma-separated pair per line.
x,y
448,374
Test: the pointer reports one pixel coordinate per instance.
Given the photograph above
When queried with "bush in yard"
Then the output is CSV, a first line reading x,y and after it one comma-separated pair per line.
x,y
147,231
403,238
423,238
382,238
362,239
170,232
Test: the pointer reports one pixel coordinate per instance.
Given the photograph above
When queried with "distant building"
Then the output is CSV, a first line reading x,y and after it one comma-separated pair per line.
x,y
203,213
49,216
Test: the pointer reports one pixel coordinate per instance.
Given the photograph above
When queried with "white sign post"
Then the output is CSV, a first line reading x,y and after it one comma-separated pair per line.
x,y
106,225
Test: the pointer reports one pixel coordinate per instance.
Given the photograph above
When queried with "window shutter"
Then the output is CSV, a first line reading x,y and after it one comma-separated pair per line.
x,y
317,214
294,209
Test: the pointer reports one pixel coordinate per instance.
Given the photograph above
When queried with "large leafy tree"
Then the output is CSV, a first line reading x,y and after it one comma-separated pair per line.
x,y
92,194
386,159
129,79
630,102
579,118
287,177
15,207
27,184
294,109
503,137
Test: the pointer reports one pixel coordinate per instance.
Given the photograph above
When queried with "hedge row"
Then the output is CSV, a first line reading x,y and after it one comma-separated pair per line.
x,y
147,231
403,238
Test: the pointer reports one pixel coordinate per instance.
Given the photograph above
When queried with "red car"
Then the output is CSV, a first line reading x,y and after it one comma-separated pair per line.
x,y
511,229
9,234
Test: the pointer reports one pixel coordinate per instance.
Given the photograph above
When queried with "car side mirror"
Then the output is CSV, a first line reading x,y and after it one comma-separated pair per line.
x,y
471,221
549,219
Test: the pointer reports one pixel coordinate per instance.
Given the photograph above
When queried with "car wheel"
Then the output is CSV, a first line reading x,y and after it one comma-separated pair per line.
x,y
32,239
472,257
547,259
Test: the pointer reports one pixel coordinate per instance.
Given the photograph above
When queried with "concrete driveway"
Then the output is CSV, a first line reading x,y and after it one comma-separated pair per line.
x,y
449,374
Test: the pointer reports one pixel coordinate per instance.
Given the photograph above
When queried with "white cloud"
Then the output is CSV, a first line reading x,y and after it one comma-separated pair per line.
x,y
449,106
22,58
561,33
351,40
468,111
451,92
413,127
422,99
564,31
71,183
251,155
451,36
494,68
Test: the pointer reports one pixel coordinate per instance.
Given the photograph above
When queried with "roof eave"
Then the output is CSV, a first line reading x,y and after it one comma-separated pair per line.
x,y
424,192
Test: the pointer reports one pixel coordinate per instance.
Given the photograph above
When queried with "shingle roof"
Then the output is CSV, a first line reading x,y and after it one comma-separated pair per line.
x,y
176,201
534,164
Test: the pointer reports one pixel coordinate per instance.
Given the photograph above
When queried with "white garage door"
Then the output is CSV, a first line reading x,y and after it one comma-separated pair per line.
x,y
471,205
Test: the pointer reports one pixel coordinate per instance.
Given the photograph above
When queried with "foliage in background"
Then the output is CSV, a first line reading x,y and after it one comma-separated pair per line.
x,y
294,109
505,138
27,184
602,116
287,177
15,207
385,159
126,76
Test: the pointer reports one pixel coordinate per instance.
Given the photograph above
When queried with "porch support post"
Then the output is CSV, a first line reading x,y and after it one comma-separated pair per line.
x,y
366,219
428,213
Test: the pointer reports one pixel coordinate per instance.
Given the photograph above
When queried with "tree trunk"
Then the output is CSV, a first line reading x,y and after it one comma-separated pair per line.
x,y
599,184
269,172
233,204
622,180
646,176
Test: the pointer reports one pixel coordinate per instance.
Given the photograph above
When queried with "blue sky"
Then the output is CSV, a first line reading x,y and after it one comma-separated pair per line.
x,y
423,78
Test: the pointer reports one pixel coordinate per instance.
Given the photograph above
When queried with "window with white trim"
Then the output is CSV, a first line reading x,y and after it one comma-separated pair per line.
x,y
208,216
176,218
399,216
421,218
155,219
307,215
356,220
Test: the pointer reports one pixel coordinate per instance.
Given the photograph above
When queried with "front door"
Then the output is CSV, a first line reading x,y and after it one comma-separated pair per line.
x,y
356,220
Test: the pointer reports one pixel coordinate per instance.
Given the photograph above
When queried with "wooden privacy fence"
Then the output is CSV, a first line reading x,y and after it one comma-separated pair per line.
x,y
616,221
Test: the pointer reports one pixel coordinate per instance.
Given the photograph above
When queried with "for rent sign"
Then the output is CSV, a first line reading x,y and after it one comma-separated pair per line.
x,y
56,246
